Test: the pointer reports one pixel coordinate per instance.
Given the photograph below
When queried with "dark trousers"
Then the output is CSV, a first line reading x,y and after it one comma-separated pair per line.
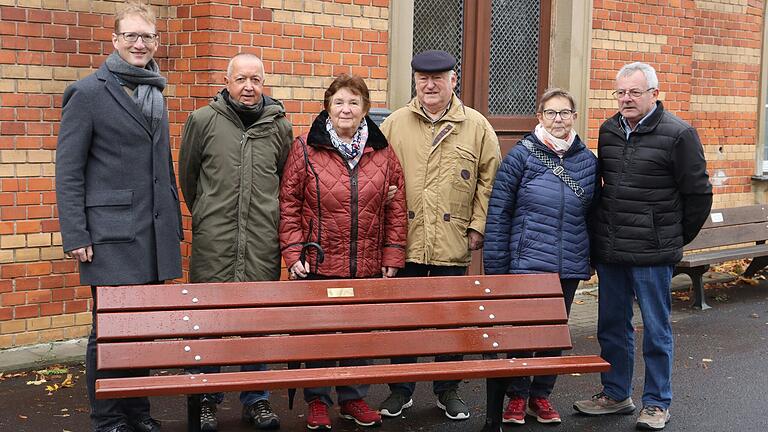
x,y
106,413
424,270
541,385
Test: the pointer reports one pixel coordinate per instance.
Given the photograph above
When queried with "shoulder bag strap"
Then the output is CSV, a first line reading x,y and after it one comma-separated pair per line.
x,y
558,170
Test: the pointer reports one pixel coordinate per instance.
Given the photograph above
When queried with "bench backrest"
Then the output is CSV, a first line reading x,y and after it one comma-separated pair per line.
x,y
731,226
187,325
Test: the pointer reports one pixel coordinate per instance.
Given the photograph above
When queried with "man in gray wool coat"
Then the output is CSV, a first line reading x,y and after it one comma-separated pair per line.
x,y
116,190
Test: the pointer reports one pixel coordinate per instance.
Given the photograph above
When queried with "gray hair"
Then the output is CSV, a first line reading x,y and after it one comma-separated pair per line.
x,y
231,64
645,68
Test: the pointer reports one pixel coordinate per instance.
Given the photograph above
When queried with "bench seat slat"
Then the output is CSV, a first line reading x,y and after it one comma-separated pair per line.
x,y
305,319
293,293
280,349
374,374
716,256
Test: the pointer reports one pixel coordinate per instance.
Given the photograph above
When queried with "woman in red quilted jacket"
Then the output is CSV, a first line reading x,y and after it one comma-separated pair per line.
x,y
342,189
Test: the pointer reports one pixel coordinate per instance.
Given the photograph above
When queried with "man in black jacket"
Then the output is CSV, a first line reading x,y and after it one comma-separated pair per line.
x,y
656,196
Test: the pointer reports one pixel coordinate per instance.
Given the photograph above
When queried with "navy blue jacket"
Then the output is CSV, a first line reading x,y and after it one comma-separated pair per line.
x,y
536,223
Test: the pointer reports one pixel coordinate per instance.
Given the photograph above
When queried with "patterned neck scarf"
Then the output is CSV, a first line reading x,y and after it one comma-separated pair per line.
x,y
351,150
557,145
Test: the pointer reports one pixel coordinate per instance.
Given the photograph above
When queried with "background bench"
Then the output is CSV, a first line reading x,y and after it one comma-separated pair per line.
x,y
190,325
743,230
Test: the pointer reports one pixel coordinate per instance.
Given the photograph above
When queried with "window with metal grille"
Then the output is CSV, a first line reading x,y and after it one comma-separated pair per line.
x,y
439,25
514,59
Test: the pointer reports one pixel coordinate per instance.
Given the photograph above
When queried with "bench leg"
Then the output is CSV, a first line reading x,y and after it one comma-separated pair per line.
x,y
193,413
697,278
495,389
757,264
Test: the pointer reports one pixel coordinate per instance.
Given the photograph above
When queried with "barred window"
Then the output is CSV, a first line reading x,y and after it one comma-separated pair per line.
x,y
439,25
514,60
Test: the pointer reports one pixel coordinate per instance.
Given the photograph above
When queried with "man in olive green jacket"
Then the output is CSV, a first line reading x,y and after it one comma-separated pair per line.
x,y
232,156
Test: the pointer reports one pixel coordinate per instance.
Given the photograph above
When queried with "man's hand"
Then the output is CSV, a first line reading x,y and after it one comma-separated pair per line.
x,y
391,193
475,239
82,254
299,270
388,272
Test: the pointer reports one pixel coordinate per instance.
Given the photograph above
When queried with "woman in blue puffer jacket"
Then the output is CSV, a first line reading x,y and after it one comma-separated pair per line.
x,y
537,223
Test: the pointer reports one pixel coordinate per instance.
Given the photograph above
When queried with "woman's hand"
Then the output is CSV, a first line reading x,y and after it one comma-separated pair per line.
x,y
388,272
299,270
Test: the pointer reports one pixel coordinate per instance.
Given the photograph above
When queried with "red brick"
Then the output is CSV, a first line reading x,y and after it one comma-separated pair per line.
x,y
6,314
11,213
24,227
38,15
13,14
39,296
13,299
38,269
62,293
48,309
29,311
76,306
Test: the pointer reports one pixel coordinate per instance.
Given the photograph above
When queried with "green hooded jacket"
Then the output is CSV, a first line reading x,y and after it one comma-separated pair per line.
x,y
230,179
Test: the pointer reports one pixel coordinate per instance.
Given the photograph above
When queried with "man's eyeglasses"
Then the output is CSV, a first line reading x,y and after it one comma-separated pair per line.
x,y
147,38
633,93
551,114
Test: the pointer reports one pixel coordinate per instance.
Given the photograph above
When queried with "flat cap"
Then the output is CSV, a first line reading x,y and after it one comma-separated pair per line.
x,y
433,61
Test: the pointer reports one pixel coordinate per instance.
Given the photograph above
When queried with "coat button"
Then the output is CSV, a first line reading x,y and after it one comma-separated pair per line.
x,y
156,180
157,215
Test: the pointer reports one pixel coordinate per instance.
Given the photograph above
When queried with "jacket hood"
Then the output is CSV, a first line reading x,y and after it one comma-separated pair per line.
x,y
273,108
456,113
319,137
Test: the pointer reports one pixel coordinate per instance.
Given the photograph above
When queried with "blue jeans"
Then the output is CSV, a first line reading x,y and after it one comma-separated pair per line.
x,y
619,286
423,270
247,398
343,393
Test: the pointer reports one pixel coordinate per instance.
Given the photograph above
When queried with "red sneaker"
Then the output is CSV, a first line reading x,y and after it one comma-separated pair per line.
x,y
515,412
544,412
317,417
360,412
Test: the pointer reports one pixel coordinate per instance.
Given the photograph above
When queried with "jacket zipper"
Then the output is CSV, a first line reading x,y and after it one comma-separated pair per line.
x,y
239,258
353,209
560,231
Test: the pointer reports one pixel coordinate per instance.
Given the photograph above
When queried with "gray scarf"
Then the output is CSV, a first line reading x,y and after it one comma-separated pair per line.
x,y
148,85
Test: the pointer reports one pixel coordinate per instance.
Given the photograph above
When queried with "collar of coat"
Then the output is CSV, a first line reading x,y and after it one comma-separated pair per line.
x,y
318,137
457,113
273,108
648,125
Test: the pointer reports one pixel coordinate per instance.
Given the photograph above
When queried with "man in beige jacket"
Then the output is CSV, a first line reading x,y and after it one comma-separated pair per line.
x,y
449,153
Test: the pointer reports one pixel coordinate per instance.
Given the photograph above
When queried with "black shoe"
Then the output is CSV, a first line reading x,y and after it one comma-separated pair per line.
x,y
147,425
122,427
450,402
208,421
260,415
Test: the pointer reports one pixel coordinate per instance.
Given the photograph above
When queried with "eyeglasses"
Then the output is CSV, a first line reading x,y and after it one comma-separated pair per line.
x,y
564,114
633,93
147,38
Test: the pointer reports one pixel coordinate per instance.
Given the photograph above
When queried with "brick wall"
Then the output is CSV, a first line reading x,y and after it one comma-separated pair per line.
x,y
47,44
707,55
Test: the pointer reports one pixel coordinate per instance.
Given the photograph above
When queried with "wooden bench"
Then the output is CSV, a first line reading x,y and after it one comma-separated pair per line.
x,y
742,231
191,325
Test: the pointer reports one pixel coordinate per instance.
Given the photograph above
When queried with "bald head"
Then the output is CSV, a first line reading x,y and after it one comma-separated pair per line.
x,y
245,78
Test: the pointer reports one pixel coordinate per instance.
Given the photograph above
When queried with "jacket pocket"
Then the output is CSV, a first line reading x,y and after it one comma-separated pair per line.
x,y
520,241
463,184
655,228
109,216
175,194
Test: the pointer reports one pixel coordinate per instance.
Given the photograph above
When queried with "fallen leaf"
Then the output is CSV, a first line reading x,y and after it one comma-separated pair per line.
x,y
23,417
575,374
52,388
579,301
37,382
754,315
706,360
52,371
67,381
